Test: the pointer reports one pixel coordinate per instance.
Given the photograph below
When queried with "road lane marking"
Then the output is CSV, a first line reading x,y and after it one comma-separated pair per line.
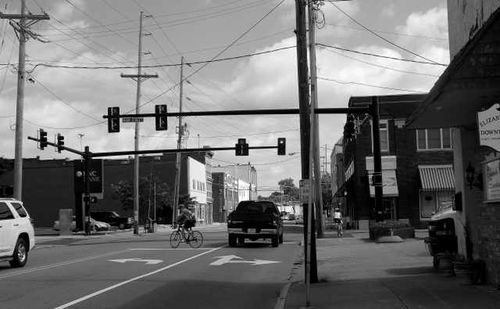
x,y
147,262
234,259
31,270
168,249
81,299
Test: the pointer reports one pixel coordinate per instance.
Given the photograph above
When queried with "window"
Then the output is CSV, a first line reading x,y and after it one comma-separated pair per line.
x,y
5,213
434,139
384,135
194,184
20,210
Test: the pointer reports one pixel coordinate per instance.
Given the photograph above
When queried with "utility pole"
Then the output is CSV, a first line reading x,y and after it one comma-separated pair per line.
x,y
377,160
178,157
23,32
318,201
138,77
311,271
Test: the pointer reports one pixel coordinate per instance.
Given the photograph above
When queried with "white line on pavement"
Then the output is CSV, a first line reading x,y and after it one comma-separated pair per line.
x,y
31,270
168,249
81,299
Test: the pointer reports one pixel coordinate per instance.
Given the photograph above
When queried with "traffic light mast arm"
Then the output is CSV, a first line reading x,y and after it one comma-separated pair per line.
x,y
153,151
351,110
56,145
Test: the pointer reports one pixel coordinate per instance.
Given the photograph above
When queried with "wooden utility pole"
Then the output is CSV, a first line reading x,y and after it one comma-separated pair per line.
x,y
138,77
318,201
178,165
23,33
311,271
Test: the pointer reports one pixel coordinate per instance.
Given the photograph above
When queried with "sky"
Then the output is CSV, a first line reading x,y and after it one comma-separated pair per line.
x,y
238,54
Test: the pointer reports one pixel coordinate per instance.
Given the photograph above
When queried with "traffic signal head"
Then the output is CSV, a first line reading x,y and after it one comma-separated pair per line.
x,y
113,119
43,139
160,117
349,128
281,146
241,147
60,142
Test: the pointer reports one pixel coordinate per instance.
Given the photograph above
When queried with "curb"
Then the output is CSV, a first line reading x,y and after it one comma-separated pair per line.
x,y
280,303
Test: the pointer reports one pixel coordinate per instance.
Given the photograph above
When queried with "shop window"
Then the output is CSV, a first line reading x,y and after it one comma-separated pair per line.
x,y
432,202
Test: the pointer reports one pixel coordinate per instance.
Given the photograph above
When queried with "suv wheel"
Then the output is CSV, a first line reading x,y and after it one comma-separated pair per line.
x,y
121,226
275,241
20,254
232,240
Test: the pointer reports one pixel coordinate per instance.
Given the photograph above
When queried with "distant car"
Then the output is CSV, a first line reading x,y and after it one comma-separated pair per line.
x,y
113,218
17,235
96,226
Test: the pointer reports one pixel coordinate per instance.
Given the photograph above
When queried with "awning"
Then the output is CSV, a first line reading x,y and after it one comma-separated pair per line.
x,y
437,177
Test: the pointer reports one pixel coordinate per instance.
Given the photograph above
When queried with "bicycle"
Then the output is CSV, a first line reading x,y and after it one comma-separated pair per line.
x,y
193,238
339,229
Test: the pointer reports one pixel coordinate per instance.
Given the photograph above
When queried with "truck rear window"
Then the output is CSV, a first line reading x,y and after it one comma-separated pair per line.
x,y
257,207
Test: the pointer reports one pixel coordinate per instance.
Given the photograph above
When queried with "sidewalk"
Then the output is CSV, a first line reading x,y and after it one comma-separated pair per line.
x,y
355,272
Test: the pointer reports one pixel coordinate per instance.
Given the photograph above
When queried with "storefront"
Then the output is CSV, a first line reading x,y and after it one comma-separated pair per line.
x,y
437,191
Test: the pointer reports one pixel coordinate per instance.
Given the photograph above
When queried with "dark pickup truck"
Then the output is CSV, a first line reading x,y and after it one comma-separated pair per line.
x,y
254,220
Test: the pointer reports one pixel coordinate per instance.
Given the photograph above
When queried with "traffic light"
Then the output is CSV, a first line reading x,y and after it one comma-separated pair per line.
x,y
281,146
349,128
113,119
160,117
60,142
43,139
241,147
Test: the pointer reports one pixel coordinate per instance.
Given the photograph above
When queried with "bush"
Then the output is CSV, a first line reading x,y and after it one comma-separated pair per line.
x,y
388,228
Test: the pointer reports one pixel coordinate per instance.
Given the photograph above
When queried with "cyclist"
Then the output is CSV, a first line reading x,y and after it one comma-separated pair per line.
x,y
185,218
337,219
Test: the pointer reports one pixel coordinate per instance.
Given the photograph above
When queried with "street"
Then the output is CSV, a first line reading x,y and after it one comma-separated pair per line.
x,y
130,271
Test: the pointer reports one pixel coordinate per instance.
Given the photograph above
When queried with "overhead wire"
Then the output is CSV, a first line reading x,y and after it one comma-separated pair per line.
x,y
379,36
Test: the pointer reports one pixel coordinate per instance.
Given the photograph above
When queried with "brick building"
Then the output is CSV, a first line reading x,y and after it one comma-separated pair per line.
x,y
470,86
417,171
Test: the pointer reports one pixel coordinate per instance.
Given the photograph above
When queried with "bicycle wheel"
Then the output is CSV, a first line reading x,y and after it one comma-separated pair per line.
x,y
196,239
175,239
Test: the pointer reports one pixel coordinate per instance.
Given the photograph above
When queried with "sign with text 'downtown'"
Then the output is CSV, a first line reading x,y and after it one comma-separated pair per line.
x,y
488,122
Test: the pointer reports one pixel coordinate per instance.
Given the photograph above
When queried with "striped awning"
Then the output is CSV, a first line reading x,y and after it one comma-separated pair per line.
x,y
437,177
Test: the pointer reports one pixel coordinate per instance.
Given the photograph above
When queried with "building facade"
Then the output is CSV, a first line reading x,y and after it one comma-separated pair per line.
x,y
466,92
417,171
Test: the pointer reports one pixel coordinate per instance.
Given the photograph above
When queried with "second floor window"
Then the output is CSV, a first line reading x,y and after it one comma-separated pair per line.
x,y
434,139
384,136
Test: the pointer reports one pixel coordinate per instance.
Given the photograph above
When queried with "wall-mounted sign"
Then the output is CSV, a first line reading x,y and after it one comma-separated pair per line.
x,y
489,127
491,174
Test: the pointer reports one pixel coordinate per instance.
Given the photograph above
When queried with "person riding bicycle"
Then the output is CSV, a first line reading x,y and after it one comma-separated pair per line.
x,y
186,218
337,218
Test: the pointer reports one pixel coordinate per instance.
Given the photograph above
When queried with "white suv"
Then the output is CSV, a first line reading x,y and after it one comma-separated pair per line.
x,y
17,236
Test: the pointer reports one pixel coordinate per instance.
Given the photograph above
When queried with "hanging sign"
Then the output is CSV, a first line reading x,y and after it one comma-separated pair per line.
x,y
489,127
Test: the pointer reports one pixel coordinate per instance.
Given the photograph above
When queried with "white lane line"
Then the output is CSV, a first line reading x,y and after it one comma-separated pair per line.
x,y
31,270
81,299
168,249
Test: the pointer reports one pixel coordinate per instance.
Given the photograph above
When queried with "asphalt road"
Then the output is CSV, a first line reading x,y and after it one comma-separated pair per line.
x,y
143,271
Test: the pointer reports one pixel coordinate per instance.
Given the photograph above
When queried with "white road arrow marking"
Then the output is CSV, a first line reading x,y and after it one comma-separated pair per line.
x,y
234,259
148,262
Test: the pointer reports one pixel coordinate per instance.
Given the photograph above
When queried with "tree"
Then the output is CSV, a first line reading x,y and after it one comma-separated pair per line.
x,y
289,189
123,191
326,192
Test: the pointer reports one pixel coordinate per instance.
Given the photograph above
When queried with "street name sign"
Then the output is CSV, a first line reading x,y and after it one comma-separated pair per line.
x,y
132,119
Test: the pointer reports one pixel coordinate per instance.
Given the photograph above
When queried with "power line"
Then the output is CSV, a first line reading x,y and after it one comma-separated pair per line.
x,y
368,85
379,36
